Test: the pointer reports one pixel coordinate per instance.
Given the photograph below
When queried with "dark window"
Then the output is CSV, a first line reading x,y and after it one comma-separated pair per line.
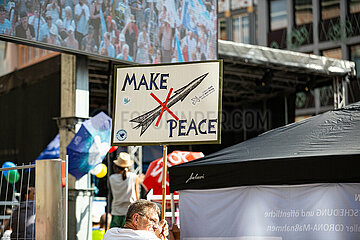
x,y
240,28
237,4
223,5
278,14
332,53
303,12
330,9
354,6
222,29
355,57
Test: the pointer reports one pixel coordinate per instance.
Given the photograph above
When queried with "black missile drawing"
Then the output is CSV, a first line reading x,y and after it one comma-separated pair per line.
x,y
146,119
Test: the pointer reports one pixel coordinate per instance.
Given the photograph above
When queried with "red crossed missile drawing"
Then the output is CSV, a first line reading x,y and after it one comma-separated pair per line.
x,y
146,119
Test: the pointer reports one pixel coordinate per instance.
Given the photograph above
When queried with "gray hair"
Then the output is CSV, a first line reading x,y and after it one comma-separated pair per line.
x,y
68,10
141,206
125,46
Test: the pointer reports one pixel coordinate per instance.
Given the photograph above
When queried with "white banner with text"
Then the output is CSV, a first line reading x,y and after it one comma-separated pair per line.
x,y
312,212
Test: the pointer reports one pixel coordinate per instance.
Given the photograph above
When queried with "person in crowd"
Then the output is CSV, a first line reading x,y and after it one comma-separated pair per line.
x,y
54,9
5,231
36,21
24,29
113,29
131,33
95,19
134,6
142,222
198,53
108,45
61,31
11,7
67,3
163,15
114,41
202,57
5,24
45,28
139,12
68,20
150,53
82,16
122,12
124,188
150,18
203,40
157,58
124,55
165,34
119,45
23,217
194,56
70,41
103,51
208,4
184,49
191,43
95,219
108,22
106,7
211,47
36,5
88,42
22,6
98,232
53,37
143,43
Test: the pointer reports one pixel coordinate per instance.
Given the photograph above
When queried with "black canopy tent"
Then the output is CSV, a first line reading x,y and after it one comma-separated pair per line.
x,y
323,148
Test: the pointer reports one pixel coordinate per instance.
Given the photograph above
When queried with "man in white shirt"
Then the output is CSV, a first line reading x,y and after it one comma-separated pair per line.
x,y
142,223
82,16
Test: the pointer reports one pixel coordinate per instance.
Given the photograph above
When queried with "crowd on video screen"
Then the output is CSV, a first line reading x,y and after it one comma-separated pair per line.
x,y
142,31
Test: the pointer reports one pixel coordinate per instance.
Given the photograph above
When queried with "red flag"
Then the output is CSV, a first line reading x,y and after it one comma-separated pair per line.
x,y
153,175
113,148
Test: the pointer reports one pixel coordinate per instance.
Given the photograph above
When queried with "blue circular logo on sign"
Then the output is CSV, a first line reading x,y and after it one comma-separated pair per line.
x,y
121,135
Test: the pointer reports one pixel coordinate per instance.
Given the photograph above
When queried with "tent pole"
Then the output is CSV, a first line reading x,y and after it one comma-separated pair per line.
x,y
164,182
66,196
172,208
286,111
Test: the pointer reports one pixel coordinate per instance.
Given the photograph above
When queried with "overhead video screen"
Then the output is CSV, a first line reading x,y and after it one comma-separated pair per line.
x,y
141,31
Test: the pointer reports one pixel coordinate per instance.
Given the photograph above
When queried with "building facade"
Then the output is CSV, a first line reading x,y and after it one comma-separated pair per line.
x,y
328,28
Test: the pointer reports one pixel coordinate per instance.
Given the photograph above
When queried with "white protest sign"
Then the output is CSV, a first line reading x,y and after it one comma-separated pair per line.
x,y
176,103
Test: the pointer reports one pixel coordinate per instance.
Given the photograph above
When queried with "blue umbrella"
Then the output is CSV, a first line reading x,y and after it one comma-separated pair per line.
x,y
90,145
52,150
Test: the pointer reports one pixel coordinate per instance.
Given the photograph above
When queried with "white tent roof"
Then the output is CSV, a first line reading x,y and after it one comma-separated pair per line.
x,y
254,54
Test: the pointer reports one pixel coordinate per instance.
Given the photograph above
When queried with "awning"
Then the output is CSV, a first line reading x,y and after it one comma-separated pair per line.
x,y
286,60
253,73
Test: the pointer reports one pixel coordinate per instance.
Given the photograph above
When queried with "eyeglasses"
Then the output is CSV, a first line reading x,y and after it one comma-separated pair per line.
x,y
153,221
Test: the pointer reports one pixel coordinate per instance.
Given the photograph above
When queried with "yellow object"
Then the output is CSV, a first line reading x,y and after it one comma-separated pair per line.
x,y
102,173
98,234
227,13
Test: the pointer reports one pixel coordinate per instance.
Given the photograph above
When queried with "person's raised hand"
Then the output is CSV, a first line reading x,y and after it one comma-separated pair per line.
x,y
163,230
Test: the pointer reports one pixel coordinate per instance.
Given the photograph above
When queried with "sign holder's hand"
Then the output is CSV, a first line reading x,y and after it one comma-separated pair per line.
x,y
163,231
